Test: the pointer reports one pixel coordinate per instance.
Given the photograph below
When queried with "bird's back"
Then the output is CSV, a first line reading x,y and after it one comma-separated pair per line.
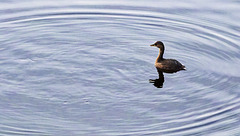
x,y
169,65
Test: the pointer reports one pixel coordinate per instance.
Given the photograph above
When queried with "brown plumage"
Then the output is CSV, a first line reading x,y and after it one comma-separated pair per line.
x,y
166,65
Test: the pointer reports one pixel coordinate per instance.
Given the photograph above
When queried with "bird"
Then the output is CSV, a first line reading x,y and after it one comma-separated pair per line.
x,y
166,65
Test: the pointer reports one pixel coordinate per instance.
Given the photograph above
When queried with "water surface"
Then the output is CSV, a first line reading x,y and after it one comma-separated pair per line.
x,y
83,67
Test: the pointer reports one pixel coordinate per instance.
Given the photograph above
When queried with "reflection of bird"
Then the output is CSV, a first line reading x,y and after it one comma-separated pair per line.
x,y
158,82
166,65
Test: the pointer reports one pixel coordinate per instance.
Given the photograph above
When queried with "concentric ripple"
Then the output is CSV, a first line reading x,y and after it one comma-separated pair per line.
x,y
82,68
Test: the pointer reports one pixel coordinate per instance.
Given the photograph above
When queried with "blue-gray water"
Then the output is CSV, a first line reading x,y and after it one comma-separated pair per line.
x,y
83,67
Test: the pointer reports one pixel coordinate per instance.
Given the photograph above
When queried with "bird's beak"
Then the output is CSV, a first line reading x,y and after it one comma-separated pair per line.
x,y
152,45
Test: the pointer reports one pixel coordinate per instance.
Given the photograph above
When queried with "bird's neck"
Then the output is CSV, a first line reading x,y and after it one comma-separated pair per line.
x,y
160,56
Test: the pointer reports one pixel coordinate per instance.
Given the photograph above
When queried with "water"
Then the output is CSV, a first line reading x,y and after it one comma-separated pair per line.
x,y
83,67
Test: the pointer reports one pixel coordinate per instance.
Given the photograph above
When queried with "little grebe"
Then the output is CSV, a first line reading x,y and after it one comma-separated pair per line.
x,y
166,65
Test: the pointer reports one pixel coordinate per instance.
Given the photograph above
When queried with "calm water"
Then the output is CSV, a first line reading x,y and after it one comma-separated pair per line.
x,y
83,67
